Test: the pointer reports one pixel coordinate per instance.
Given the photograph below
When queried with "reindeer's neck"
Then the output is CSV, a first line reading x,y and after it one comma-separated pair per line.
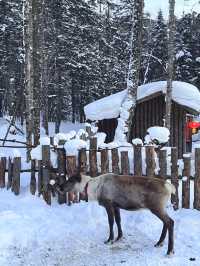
x,y
94,185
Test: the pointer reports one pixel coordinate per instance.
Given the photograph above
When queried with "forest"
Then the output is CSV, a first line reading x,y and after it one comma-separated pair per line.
x,y
81,53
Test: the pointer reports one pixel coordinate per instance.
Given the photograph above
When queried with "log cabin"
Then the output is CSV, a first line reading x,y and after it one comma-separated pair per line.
x,y
150,111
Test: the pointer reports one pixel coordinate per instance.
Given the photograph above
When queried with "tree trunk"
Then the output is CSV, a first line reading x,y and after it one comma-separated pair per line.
x,y
29,84
128,107
170,67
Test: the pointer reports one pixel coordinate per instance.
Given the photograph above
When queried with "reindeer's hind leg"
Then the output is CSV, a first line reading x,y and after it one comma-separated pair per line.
x,y
118,222
162,237
168,225
110,213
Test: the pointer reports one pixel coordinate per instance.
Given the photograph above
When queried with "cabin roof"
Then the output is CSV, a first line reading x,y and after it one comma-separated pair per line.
x,y
183,93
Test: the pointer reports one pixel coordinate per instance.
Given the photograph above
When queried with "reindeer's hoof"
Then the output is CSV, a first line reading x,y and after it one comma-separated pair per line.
x,y
159,244
170,253
109,241
119,238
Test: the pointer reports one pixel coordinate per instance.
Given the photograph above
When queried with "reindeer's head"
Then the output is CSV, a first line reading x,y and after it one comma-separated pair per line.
x,y
75,183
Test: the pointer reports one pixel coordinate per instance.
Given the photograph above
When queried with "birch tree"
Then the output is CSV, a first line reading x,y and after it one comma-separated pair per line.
x,y
32,92
170,66
129,105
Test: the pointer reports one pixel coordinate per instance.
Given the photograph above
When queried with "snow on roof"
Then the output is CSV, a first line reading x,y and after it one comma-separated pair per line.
x,y
109,107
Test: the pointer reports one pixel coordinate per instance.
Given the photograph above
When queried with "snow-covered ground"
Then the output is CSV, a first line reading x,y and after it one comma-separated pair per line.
x,y
35,234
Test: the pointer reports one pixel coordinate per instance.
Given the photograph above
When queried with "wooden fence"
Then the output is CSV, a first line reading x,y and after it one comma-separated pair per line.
x,y
99,161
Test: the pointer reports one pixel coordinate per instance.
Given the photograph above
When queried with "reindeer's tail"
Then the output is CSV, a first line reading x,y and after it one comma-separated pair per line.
x,y
170,188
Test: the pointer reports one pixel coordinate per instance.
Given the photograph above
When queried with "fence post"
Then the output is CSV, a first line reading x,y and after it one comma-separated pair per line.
x,y
196,203
104,161
125,169
93,157
115,161
174,177
33,179
162,163
40,181
45,174
186,182
10,173
16,175
2,172
82,162
137,160
62,198
150,161
71,170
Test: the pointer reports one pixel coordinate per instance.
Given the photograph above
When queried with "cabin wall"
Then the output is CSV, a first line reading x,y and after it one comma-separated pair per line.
x,y
151,113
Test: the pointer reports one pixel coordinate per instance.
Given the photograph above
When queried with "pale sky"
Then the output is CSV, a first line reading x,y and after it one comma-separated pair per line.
x,y
152,6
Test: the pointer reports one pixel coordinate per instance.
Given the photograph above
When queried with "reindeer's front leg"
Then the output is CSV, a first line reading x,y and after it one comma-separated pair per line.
x,y
110,213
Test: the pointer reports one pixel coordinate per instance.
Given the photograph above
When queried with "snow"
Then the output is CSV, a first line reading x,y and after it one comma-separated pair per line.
x,y
73,146
35,234
137,141
109,107
180,54
160,134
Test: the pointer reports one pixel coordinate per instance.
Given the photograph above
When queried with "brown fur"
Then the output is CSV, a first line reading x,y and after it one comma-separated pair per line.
x,y
115,192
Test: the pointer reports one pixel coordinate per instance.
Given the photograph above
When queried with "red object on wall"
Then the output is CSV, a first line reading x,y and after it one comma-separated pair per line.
x,y
193,124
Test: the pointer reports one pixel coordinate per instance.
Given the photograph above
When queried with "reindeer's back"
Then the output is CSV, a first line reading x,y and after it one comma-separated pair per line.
x,y
134,192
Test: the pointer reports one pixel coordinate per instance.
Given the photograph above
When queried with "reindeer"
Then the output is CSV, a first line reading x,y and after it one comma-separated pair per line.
x,y
115,192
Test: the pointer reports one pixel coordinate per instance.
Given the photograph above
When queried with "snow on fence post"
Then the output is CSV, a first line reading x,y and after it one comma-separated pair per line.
x,y
71,170
16,175
174,177
93,157
150,161
125,168
162,155
196,203
10,173
186,182
40,182
115,161
2,172
137,160
62,198
33,179
46,173
104,161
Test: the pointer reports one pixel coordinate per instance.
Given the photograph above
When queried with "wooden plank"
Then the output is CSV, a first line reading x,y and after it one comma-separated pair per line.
x,y
71,170
33,178
125,168
150,161
186,183
115,161
93,157
174,177
40,181
10,173
137,160
16,175
83,161
46,191
104,161
162,156
196,203
61,177
2,172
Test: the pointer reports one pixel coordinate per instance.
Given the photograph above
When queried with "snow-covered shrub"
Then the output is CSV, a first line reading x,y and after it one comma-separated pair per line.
x,y
73,146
